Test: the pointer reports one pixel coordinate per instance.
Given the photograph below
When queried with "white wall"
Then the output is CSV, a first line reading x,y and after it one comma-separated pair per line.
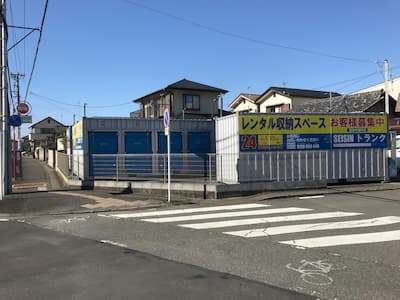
x,y
393,85
273,101
246,105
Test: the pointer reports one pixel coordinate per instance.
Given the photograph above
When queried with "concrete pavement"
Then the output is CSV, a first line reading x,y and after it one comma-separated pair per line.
x,y
361,262
43,264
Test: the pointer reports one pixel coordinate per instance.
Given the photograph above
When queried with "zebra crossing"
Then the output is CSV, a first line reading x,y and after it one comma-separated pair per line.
x,y
253,218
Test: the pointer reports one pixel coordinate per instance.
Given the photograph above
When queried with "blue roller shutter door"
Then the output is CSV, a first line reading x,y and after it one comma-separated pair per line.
x,y
138,143
103,143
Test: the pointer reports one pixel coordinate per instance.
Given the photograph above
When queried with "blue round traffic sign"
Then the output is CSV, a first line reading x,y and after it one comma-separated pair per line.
x,y
166,118
14,120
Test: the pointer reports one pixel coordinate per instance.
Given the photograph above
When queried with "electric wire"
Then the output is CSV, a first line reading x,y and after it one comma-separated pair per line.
x,y
246,38
77,105
37,50
9,87
15,53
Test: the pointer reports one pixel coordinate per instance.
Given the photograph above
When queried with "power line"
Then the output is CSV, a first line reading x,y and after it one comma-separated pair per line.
x,y
352,80
242,37
37,49
347,80
54,100
80,106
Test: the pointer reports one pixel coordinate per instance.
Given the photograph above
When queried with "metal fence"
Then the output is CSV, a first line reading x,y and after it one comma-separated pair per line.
x,y
282,166
184,167
274,166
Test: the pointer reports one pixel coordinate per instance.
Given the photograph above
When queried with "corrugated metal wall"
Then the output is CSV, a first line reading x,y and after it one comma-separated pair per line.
x,y
227,148
144,136
234,166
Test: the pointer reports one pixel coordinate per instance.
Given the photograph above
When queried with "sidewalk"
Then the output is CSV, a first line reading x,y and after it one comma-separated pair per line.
x,y
27,201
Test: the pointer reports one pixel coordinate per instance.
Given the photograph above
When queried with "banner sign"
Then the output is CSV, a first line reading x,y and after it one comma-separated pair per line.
x,y
77,136
261,132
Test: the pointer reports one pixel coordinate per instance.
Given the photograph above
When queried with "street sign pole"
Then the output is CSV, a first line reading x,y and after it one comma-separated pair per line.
x,y
169,164
167,133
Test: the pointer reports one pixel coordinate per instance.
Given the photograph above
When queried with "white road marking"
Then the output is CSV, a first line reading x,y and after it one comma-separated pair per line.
x,y
228,214
114,243
4,220
311,197
220,224
184,211
349,239
315,227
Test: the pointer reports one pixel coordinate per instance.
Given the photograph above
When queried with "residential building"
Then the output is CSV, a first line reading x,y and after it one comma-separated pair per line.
x,y
245,103
372,102
185,99
282,99
393,88
42,130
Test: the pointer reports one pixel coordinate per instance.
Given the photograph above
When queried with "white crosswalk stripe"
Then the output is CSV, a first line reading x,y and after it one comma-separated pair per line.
x,y
314,227
184,211
228,215
231,216
221,224
349,239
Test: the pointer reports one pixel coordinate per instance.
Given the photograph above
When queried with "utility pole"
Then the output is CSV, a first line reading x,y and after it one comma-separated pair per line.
x,y
84,109
17,77
387,112
222,105
4,139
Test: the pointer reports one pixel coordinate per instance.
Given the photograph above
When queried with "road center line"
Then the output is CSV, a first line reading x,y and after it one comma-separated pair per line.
x,y
259,232
228,214
220,224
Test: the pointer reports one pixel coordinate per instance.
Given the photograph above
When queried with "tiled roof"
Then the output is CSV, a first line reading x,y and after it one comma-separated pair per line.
x,y
290,92
303,93
185,84
341,104
37,123
252,97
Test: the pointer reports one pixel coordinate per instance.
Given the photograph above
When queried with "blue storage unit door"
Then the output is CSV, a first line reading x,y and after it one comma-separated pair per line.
x,y
103,143
176,147
199,144
138,143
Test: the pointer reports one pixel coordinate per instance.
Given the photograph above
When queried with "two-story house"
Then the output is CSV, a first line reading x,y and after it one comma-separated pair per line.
x,y
185,99
44,129
245,102
282,99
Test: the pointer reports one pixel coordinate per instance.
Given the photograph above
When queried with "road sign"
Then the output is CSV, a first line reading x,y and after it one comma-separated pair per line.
x,y
166,125
166,118
23,108
14,120
26,119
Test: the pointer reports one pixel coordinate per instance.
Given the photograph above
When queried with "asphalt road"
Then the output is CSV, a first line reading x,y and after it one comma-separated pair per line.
x,y
43,264
364,268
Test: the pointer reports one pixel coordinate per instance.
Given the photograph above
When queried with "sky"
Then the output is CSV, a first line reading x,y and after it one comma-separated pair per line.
x,y
107,53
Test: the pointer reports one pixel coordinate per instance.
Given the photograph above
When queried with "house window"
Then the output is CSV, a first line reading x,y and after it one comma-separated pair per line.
x,y
192,102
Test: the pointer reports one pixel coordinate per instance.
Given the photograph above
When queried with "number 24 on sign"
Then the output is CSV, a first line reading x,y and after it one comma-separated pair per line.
x,y
249,142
